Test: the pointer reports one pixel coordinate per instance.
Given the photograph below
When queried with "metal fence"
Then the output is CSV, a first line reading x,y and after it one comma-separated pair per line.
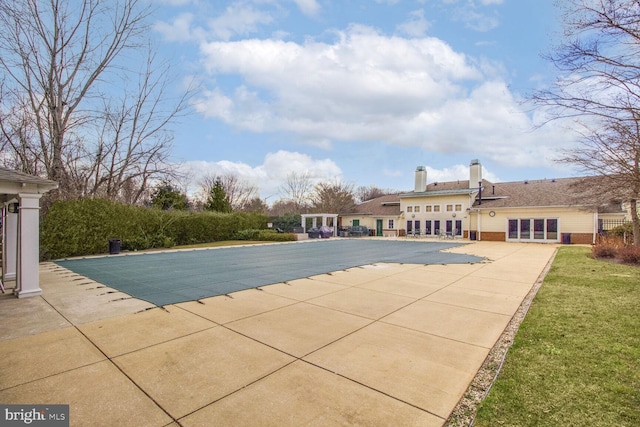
x,y
605,225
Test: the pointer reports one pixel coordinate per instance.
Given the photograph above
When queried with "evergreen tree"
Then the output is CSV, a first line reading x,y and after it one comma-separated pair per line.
x,y
218,200
167,197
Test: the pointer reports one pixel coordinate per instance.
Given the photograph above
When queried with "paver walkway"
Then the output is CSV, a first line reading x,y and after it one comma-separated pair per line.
x,y
383,344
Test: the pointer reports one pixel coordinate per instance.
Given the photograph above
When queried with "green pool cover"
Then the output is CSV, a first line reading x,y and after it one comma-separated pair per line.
x,y
164,278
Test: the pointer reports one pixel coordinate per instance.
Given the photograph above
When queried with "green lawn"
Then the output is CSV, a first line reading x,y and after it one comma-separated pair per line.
x,y
221,243
575,360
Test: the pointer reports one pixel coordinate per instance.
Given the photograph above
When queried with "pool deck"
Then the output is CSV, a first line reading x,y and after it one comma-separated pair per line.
x,y
382,344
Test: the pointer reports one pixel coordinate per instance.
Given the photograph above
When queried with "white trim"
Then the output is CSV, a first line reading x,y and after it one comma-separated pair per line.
x,y
532,230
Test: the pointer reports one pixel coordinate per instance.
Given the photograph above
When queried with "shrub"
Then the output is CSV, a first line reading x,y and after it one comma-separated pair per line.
x,y
273,236
84,227
622,230
601,250
630,254
286,222
606,247
248,235
265,236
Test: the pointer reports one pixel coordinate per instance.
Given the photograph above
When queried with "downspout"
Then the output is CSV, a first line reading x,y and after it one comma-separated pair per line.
x,y
479,216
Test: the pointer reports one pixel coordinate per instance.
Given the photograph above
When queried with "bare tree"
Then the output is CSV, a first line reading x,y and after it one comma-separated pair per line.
x,y
240,193
599,86
333,197
257,205
612,153
362,193
297,188
284,207
133,143
61,64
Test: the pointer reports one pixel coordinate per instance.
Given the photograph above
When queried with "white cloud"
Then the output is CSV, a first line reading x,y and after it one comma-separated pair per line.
x,y
456,172
176,2
238,19
366,86
416,25
475,20
177,30
308,7
268,176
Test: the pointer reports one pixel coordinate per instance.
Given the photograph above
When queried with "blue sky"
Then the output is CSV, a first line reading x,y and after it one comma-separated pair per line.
x,y
364,90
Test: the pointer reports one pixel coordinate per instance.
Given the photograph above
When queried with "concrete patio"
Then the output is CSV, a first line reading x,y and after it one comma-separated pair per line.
x,y
383,344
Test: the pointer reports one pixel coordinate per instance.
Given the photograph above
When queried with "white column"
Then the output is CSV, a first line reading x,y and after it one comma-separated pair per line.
x,y
314,222
10,249
28,274
303,223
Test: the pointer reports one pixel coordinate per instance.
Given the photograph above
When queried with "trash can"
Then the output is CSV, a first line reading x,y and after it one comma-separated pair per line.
x,y
114,246
566,238
472,235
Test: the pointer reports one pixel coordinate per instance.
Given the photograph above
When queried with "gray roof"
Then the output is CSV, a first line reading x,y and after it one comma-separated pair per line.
x,y
442,189
388,205
8,175
563,192
14,182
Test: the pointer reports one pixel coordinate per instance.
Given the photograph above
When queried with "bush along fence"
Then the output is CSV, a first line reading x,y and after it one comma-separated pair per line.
x,y
84,227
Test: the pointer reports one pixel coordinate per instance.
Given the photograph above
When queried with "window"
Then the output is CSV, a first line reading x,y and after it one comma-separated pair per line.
x,y
513,228
458,230
391,224
449,226
427,227
436,226
533,229
409,226
427,208
538,229
552,229
356,223
458,208
409,208
525,229
436,208
416,209
449,208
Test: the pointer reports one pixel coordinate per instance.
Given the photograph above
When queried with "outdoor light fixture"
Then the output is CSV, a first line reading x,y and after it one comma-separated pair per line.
x,y
13,207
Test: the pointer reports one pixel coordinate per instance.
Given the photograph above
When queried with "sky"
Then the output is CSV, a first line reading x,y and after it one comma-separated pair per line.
x,y
363,91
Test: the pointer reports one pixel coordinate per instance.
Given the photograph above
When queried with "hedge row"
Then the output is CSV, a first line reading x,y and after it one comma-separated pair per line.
x,y
84,227
265,236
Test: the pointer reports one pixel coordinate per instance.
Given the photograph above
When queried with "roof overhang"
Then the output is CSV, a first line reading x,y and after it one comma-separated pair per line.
x,y
436,193
14,182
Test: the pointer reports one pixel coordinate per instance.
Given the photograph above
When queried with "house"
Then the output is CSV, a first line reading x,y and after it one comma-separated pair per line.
x,y
381,214
548,210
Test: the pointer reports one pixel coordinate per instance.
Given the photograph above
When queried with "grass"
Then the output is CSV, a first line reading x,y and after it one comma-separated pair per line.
x,y
575,360
221,243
